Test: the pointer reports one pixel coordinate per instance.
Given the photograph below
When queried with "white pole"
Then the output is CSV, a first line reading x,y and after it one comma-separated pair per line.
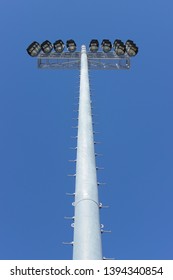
x,y
87,234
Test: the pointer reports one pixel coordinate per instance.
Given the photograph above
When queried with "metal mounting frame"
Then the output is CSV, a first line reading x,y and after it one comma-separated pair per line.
x,y
96,61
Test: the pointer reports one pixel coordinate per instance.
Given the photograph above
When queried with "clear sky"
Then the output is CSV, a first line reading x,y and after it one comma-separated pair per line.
x,y
134,111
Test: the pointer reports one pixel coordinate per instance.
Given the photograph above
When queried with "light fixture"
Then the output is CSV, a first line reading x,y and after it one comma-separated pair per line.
x,y
46,47
34,49
71,45
59,46
106,45
119,47
131,48
94,45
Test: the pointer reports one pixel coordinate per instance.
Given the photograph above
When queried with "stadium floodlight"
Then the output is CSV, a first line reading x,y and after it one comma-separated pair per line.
x,y
71,45
46,47
34,49
131,48
59,46
106,45
87,244
94,45
119,47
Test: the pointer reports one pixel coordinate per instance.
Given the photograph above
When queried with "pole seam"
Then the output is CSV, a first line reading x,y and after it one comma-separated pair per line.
x,y
75,204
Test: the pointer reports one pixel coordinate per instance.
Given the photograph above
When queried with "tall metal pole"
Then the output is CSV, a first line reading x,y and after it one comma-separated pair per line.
x,y
87,233
87,230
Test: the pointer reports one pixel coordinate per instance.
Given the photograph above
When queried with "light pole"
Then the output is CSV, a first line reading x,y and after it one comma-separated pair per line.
x,y
87,228
87,235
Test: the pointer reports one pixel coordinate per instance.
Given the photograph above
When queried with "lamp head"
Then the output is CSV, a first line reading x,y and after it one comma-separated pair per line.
x,y
59,46
94,45
131,48
106,45
71,45
119,47
34,49
46,47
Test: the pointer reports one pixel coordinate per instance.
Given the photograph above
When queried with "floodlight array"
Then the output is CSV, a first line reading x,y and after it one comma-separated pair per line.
x,y
118,46
46,47
58,46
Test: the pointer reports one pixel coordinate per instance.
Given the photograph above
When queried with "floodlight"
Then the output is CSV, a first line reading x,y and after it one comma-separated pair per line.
x,y
119,47
131,48
106,45
59,46
46,46
94,45
71,45
34,49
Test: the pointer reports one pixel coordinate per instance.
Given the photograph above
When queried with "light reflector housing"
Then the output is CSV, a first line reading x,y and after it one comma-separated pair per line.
x,y
131,48
119,47
71,45
46,47
94,45
34,49
106,45
59,46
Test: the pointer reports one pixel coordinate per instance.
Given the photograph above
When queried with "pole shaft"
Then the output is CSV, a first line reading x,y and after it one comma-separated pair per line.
x,y
87,234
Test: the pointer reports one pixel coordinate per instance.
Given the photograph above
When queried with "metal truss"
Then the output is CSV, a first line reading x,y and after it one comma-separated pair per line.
x,y
96,61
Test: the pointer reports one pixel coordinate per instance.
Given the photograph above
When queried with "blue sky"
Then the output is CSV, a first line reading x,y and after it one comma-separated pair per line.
x,y
134,113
